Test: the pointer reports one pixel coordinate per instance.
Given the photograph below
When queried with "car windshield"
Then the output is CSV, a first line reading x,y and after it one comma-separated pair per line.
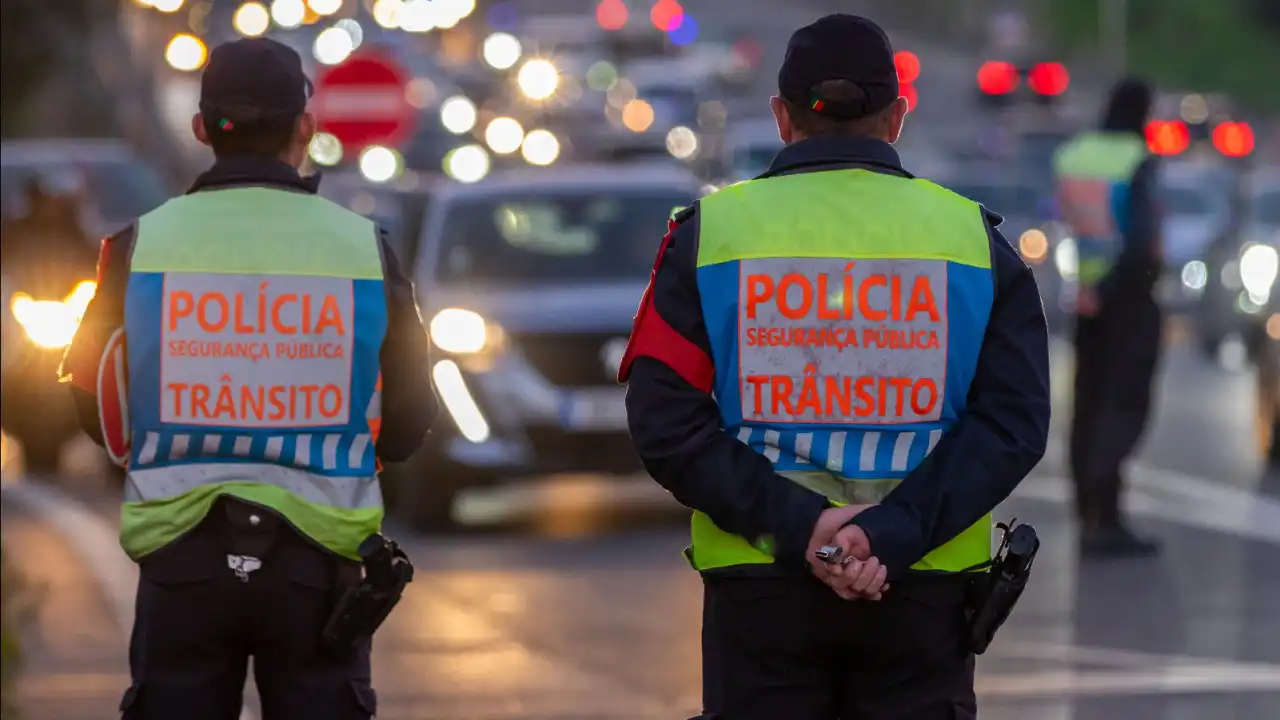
x,y
1008,200
1266,208
1180,200
120,189
555,237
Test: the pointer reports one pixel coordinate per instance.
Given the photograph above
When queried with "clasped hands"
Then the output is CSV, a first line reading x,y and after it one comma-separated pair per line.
x,y
859,575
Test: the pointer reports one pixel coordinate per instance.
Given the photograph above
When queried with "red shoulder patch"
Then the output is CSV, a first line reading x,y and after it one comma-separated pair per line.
x,y
652,336
113,399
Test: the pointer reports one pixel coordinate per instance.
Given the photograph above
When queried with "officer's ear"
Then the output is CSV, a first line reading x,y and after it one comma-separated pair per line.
x,y
198,129
897,117
783,117
305,128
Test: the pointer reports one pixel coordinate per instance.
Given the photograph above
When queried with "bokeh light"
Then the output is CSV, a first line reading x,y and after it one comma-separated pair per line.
x,y
666,15
685,33
501,50
611,14
332,46
682,142
325,149
540,148
324,7
418,16
458,115
601,76
186,52
387,13
637,116
379,164
168,6
288,13
504,135
538,79
467,164
908,65
252,19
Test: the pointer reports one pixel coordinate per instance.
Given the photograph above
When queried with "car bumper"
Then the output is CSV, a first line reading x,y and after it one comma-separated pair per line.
x,y
504,415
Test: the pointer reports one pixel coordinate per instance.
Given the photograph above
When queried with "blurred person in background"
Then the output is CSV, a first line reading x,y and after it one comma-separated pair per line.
x,y
275,358
765,297
1108,186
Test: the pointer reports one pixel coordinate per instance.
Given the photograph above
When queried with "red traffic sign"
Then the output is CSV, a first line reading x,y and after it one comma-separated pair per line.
x,y
362,102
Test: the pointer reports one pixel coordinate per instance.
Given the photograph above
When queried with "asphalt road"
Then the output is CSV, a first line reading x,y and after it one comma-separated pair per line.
x,y
573,600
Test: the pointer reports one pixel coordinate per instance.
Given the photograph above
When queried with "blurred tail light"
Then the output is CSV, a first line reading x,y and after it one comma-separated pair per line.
x,y
1049,78
908,65
911,94
997,78
1167,137
1233,139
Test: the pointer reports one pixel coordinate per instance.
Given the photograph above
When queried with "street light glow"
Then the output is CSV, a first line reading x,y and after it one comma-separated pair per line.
x,y
540,148
186,52
538,79
501,50
252,19
288,13
504,135
458,115
324,7
332,46
167,6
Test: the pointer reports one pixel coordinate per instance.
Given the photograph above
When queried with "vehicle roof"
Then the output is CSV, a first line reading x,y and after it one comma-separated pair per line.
x,y
571,177
49,150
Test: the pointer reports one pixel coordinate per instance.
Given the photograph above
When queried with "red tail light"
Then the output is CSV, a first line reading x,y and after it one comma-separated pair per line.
x,y
1167,137
1233,139
1049,78
908,66
913,97
997,78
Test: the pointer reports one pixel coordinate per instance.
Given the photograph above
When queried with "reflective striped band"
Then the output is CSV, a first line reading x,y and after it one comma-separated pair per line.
x,y
163,483
853,453
331,451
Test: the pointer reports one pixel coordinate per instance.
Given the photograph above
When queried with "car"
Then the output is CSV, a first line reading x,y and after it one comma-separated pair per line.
x,y
59,197
1197,210
529,282
749,148
1029,224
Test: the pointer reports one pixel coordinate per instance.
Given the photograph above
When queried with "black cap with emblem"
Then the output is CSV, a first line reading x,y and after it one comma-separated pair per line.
x,y
840,47
253,83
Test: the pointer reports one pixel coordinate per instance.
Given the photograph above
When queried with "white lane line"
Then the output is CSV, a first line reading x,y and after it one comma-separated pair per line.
x,y
1160,681
1182,500
95,540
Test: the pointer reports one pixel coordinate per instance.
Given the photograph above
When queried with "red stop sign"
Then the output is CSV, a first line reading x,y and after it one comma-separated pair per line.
x,y
362,102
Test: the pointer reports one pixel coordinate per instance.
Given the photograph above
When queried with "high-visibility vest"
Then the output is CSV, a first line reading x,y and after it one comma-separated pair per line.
x,y
254,319
846,310
1093,173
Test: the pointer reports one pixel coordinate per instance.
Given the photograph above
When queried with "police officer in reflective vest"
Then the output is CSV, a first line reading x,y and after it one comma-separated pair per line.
x,y
253,352
838,353
1107,189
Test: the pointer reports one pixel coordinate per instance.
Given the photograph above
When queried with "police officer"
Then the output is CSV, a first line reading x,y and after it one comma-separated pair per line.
x,y
274,358
1107,188
838,352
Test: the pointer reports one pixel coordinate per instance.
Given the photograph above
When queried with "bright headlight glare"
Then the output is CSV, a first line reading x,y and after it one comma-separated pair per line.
x,y
1259,265
459,402
458,331
52,324
1066,258
538,79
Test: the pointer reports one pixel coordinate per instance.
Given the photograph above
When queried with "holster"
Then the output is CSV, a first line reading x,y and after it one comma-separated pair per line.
x,y
361,609
992,595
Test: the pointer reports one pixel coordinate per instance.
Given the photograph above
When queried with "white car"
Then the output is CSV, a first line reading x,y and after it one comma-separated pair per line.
x,y
529,282
1196,211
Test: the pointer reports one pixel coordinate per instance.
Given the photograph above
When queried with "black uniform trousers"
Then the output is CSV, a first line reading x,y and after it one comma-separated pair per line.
x,y
1117,353
790,649
197,624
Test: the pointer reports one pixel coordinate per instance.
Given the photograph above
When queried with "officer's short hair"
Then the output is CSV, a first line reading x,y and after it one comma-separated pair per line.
x,y
810,123
229,139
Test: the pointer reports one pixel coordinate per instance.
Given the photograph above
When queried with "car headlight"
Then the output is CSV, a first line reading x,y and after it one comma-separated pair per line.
x,y
459,331
1258,267
1066,259
52,324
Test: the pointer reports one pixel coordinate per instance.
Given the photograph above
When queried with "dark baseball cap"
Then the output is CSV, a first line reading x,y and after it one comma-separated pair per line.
x,y
840,47
254,82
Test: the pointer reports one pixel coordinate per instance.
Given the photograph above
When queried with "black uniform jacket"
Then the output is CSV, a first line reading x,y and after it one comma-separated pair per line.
x,y
676,425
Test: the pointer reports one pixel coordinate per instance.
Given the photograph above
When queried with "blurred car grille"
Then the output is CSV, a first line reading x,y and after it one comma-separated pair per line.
x,y
569,360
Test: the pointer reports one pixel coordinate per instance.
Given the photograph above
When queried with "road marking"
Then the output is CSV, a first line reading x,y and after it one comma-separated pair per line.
x,y
1161,681
95,540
